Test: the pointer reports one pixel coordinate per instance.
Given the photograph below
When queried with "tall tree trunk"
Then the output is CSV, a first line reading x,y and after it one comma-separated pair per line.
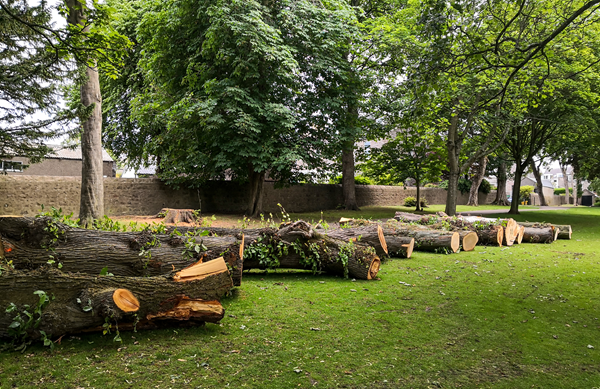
x,y
348,184
92,184
256,192
576,179
453,166
538,183
476,182
516,192
563,169
501,177
418,183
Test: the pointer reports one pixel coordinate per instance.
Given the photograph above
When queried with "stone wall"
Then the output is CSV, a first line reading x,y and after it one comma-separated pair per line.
x,y
59,167
24,195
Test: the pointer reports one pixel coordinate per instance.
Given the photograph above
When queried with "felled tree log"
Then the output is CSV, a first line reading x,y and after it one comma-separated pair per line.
x,y
425,239
511,229
374,236
565,230
299,246
173,216
540,234
80,302
489,231
468,240
520,234
31,242
492,236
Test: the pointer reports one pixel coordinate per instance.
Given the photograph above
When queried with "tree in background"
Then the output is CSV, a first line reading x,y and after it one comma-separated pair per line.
x,y
227,89
32,69
414,152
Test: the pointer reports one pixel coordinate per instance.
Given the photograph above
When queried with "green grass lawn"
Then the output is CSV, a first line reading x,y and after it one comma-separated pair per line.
x,y
518,317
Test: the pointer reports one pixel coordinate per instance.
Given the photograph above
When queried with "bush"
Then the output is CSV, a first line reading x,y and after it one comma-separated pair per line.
x,y
430,185
358,180
561,191
597,203
464,186
485,187
411,201
525,192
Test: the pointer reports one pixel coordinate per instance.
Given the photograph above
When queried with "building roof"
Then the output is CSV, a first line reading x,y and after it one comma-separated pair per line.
x,y
60,152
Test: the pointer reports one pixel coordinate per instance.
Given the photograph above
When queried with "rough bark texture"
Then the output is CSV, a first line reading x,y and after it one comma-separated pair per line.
x,y
173,216
308,249
396,245
563,169
453,148
476,182
31,244
501,198
425,239
82,302
257,181
92,185
511,229
491,237
348,184
539,235
538,184
516,193
565,230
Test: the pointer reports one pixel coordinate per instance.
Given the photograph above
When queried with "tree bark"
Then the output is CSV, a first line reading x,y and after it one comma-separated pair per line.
x,y
540,235
83,302
309,249
476,182
516,192
257,181
539,184
425,239
501,198
30,243
565,230
563,169
418,208
91,205
487,230
453,166
396,245
348,183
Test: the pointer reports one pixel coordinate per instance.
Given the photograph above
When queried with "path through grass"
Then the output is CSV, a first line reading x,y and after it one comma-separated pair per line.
x,y
518,317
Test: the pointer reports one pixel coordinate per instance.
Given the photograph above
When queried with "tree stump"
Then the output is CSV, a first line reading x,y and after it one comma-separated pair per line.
x,y
174,216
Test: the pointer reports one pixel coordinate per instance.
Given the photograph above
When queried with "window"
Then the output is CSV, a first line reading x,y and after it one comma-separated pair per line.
x,y
11,166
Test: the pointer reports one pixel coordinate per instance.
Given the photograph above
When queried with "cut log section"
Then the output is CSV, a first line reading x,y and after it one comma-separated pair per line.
x,y
425,239
80,302
511,229
302,247
374,236
493,236
29,244
540,235
174,216
468,240
565,230
520,233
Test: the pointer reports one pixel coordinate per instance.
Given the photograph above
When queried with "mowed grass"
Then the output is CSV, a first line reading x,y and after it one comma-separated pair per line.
x,y
517,317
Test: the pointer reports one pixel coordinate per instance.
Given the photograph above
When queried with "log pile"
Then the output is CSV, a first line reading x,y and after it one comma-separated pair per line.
x,y
491,232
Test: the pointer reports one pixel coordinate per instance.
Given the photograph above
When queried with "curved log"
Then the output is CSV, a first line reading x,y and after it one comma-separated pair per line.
x,y
80,302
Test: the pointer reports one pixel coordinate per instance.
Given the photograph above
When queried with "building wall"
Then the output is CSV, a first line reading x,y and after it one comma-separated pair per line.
x,y
59,167
24,195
